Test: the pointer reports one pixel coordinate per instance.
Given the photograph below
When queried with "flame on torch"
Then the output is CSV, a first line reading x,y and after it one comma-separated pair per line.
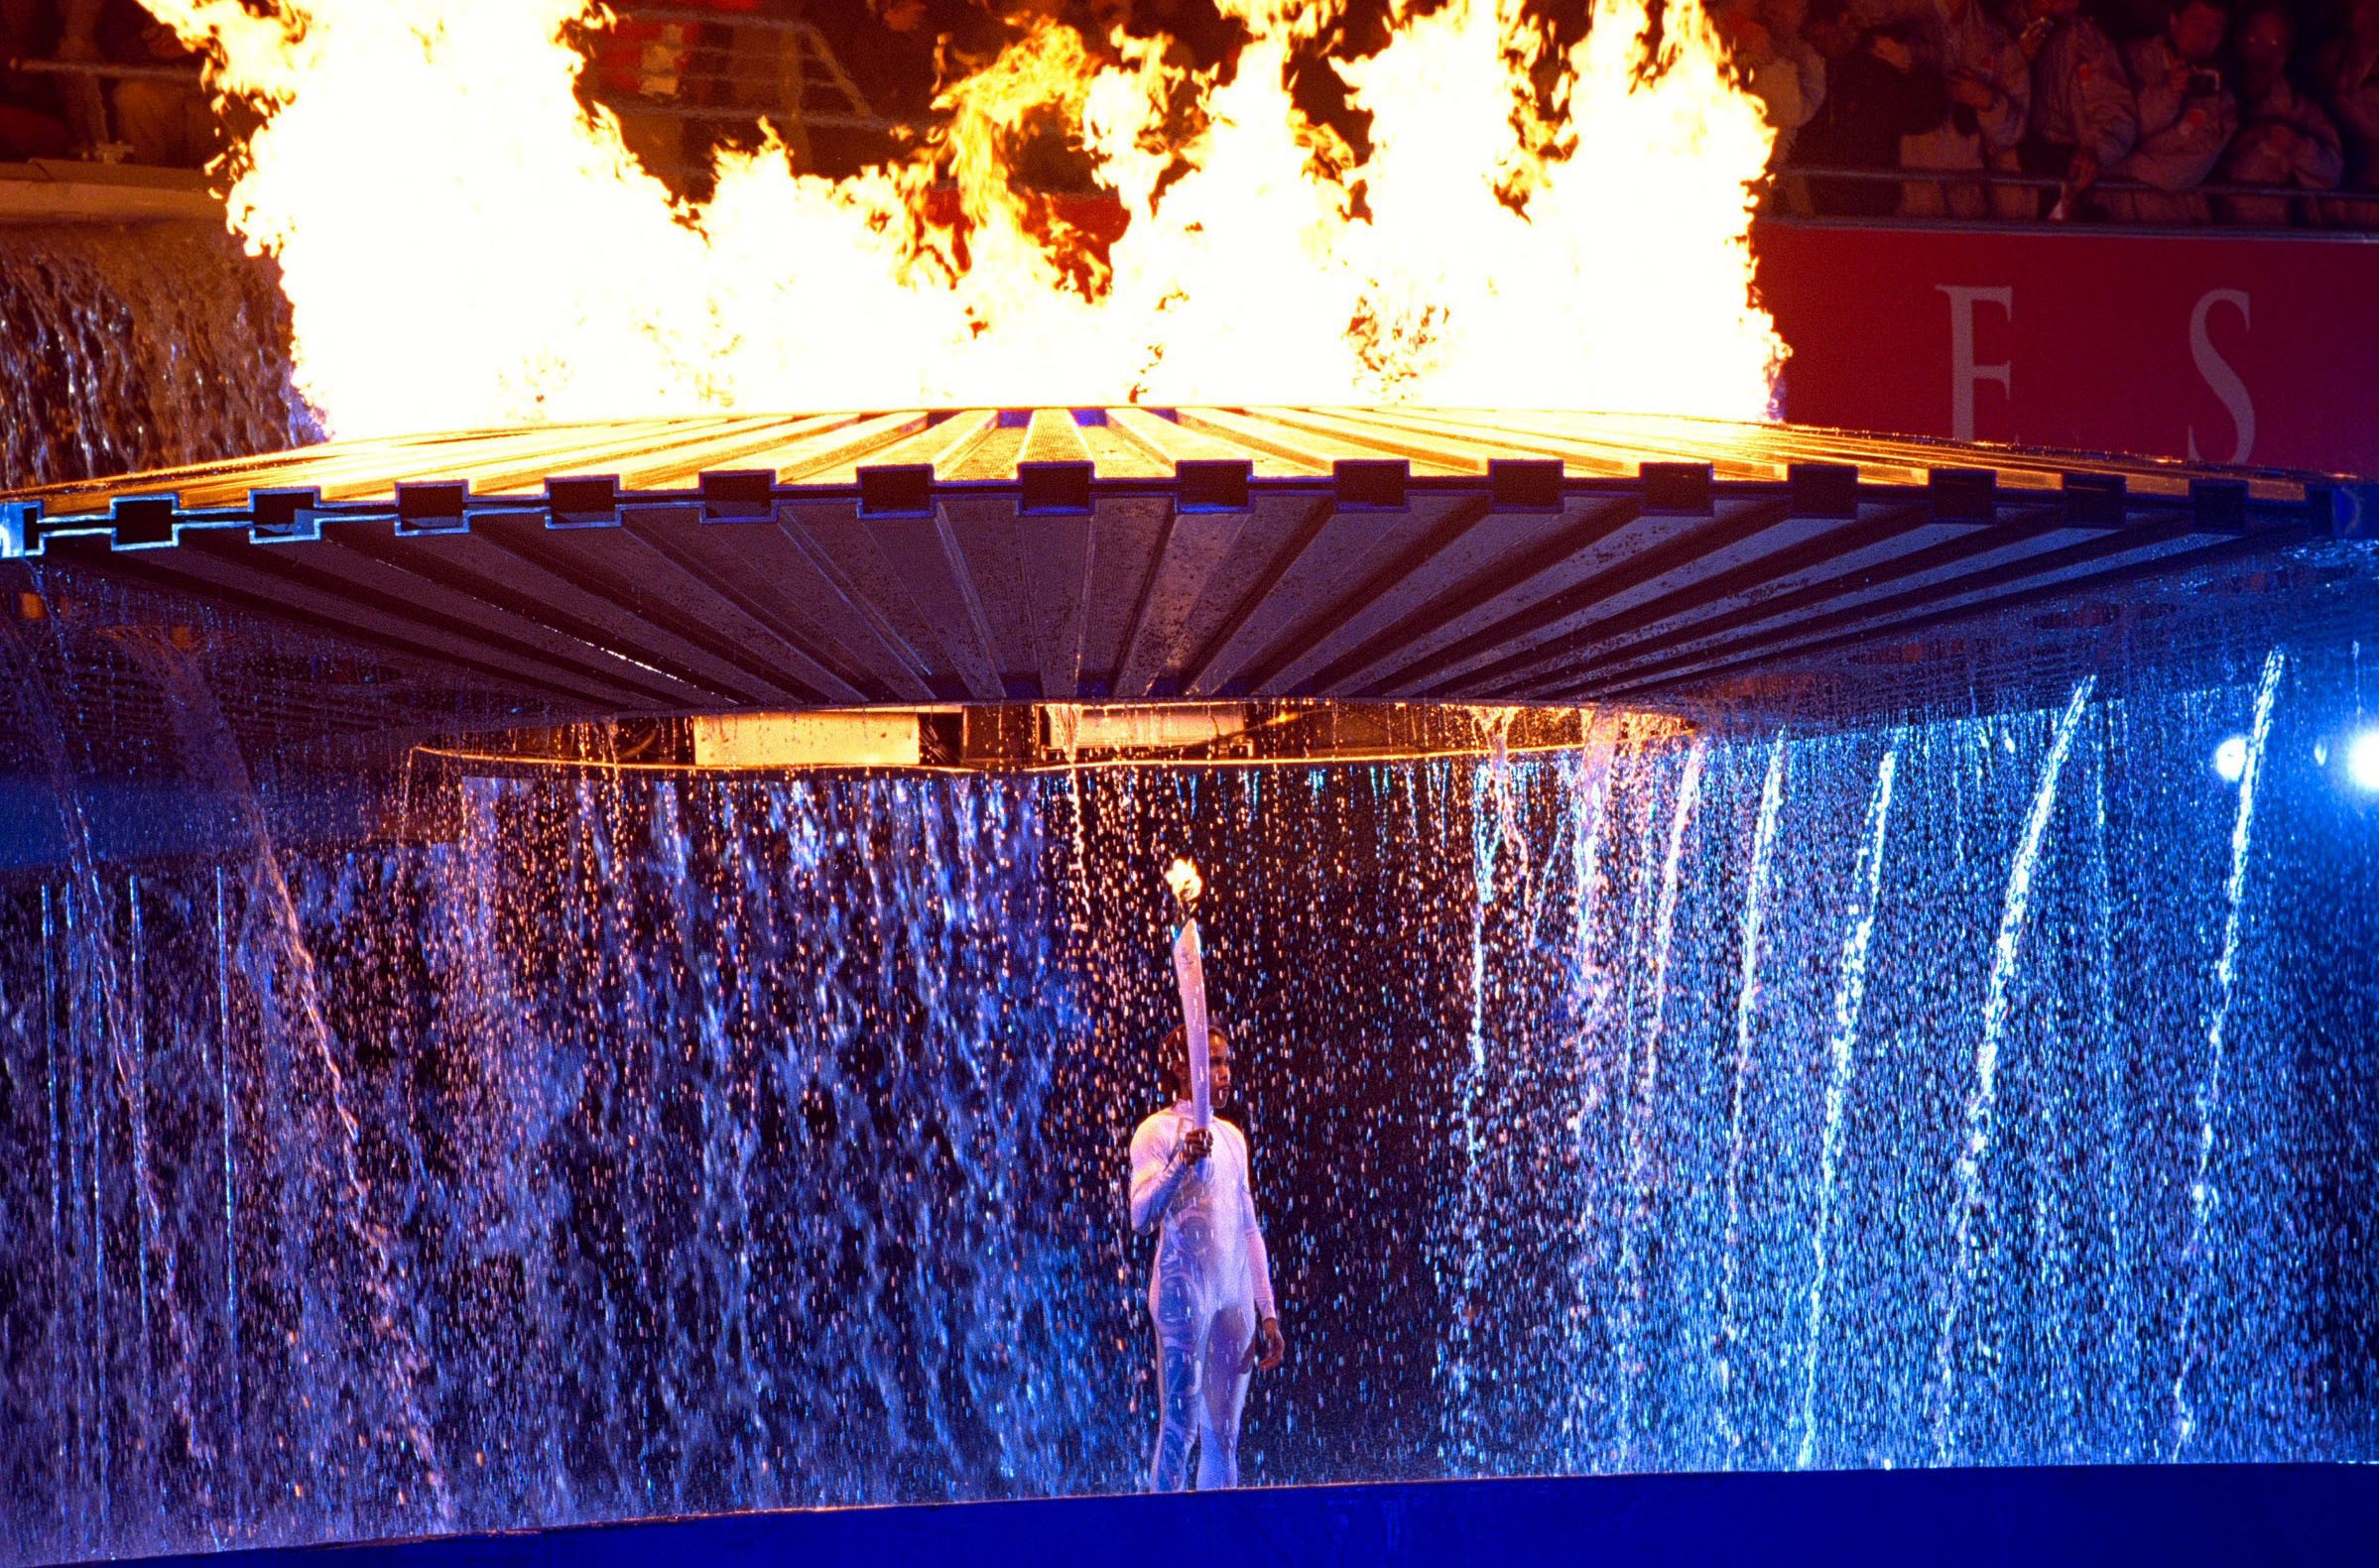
x,y
1182,877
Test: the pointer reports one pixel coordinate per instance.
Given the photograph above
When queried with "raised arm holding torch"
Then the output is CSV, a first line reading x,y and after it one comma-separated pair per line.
x,y
1210,1291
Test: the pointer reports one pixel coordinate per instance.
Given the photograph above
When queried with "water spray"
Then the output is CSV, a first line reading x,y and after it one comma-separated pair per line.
x,y
1188,971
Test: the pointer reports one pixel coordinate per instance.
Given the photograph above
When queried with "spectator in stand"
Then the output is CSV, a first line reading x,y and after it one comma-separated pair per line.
x,y
33,122
82,96
898,53
893,59
1877,90
2083,117
2187,117
163,121
1779,66
728,66
2347,79
2287,140
630,62
1989,86
653,71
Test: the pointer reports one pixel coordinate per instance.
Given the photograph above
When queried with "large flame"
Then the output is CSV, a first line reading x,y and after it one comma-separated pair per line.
x,y
462,246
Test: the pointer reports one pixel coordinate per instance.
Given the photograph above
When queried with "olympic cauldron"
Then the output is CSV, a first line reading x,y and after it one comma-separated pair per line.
x,y
1119,555
496,1030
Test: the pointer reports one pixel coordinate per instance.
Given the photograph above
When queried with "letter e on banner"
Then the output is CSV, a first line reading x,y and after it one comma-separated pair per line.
x,y
1964,372
2224,381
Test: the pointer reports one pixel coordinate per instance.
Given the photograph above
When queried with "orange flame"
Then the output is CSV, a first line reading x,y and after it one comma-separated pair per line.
x,y
462,246
1182,877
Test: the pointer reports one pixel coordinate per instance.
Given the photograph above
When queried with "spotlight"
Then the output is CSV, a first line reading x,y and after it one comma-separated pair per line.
x,y
2231,759
2362,759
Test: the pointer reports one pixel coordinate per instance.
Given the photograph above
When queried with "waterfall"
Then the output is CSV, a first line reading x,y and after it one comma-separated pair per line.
x,y
232,1506
2121,1302
1587,801
654,1142
1756,893
125,349
290,994
1498,849
1469,1260
1851,997
65,1377
1641,1126
2013,914
2209,1091
105,1000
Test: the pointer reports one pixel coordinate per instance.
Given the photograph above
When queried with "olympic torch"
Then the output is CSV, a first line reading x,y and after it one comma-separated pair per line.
x,y
1188,971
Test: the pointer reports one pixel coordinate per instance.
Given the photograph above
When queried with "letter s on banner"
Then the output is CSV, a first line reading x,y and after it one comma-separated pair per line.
x,y
1964,372
2219,377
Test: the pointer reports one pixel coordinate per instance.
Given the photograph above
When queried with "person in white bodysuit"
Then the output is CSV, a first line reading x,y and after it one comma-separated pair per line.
x,y
1211,1291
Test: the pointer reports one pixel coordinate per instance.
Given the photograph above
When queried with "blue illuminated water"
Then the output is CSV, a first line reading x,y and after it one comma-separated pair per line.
x,y
1849,999
1979,1089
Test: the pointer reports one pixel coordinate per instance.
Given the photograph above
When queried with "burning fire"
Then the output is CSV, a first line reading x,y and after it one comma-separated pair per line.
x,y
1182,877
461,246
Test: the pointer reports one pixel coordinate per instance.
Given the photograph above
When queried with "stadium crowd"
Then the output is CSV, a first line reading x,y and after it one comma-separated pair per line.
x,y
2143,111
99,79
2256,112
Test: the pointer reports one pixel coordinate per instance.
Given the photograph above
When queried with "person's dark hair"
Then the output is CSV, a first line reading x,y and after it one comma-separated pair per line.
x,y
1173,1057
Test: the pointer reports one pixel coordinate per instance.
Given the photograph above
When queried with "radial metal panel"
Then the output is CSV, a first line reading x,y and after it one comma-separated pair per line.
x,y
2097,561
988,556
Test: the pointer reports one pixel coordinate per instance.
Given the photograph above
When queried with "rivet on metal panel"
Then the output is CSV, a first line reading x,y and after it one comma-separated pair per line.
x,y
579,500
1965,495
1680,489
142,519
1371,481
1054,487
738,493
1824,490
1212,484
280,515
1525,484
2218,506
2095,498
432,506
896,490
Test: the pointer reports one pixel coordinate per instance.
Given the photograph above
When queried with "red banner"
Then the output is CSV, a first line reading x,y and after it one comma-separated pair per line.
x,y
2219,347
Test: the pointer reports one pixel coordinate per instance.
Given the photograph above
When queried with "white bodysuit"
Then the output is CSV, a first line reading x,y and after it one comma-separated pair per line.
x,y
1210,1287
